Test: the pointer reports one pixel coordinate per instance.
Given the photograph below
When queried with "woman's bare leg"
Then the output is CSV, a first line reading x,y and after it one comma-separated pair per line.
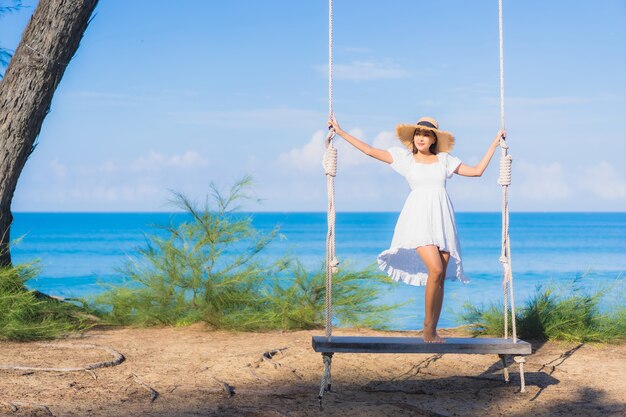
x,y
445,258
434,291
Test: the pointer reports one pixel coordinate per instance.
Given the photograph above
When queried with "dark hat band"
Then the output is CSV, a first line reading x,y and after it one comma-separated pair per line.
x,y
427,124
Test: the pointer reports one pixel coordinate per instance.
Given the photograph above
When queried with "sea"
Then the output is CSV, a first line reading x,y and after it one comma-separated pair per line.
x,y
79,253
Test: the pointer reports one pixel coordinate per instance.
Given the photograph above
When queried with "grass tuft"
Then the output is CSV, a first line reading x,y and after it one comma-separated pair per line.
x,y
572,315
30,315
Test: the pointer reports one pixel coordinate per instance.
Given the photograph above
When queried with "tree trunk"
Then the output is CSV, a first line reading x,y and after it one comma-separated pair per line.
x,y
47,46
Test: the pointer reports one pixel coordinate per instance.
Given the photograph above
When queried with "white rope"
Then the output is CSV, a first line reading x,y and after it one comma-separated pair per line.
x,y
521,360
330,58
501,37
505,168
504,179
326,378
330,169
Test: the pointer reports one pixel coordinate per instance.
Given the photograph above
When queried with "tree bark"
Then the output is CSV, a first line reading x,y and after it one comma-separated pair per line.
x,y
47,46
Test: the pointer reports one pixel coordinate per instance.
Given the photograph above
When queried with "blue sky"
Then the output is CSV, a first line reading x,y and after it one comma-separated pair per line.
x,y
163,98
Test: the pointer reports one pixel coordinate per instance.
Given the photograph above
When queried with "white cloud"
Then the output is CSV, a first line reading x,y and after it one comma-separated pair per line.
x,y
155,161
108,167
107,193
139,184
361,182
348,155
251,120
59,169
545,182
308,158
385,140
189,159
366,70
603,181
470,193
150,162
595,186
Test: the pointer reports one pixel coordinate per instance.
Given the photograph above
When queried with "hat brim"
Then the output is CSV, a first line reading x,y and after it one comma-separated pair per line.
x,y
406,132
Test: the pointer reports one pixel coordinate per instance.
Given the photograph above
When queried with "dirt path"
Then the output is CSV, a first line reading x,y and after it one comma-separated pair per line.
x,y
187,369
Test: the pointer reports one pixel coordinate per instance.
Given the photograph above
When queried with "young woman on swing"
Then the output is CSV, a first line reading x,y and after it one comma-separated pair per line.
x,y
425,236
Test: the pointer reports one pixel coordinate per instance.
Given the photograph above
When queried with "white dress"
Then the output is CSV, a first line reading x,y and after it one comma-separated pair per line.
x,y
427,218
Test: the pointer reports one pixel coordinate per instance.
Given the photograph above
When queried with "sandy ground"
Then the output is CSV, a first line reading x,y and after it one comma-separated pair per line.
x,y
188,366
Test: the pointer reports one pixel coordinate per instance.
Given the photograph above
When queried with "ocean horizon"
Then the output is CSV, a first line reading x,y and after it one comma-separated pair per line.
x,y
79,251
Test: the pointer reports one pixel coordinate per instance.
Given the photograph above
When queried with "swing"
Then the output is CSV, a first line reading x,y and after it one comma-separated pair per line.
x,y
328,345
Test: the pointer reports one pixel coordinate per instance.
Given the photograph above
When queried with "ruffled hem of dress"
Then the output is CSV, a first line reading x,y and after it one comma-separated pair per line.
x,y
420,278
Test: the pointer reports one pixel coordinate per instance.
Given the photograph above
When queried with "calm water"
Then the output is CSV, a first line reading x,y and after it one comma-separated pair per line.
x,y
79,250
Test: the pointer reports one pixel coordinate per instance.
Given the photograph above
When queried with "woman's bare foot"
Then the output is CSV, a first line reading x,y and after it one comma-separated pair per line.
x,y
430,335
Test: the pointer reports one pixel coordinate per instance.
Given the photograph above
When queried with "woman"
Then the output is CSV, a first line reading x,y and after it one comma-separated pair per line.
x,y
425,237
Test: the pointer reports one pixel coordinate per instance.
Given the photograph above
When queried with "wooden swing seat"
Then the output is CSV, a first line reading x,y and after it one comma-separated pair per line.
x,y
367,344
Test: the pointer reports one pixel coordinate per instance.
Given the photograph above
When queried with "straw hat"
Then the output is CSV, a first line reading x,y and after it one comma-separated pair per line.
x,y
406,132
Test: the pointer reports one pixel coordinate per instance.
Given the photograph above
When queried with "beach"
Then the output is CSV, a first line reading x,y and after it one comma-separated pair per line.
x,y
169,238
189,371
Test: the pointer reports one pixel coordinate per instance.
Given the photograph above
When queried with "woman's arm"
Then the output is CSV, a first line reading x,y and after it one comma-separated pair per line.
x,y
379,154
477,171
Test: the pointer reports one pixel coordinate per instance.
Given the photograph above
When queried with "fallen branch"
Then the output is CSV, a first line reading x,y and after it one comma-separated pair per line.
x,y
418,368
15,406
294,371
12,406
254,374
562,358
154,394
228,389
117,359
267,357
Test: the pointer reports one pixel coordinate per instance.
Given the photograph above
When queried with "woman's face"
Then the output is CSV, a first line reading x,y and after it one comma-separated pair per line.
x,y
423,139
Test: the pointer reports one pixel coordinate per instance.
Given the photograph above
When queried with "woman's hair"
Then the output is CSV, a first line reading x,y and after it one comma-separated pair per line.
x,y
427,132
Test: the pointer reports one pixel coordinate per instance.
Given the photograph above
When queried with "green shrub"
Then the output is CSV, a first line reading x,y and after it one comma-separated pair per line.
x,y
299,302
209,269
571,315
30,315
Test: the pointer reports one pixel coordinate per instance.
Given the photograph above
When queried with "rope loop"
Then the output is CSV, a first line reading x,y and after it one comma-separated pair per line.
x,y
507,277
334,263
330,136
505,170
330,160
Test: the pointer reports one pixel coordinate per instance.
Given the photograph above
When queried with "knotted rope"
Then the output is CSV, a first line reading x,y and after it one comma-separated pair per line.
x,y
330,169
504,179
